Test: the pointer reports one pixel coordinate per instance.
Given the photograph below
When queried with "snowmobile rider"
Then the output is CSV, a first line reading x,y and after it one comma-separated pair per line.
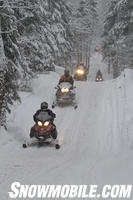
x,y
66,77
44,108
99,73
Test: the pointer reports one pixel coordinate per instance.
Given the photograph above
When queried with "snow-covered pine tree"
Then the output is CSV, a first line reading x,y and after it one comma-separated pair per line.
x,y
117,34
9,60
2,83
34,34
44,33
102,9
86,16
64,34
83,24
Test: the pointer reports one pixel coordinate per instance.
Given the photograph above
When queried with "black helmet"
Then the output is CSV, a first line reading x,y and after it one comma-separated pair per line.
x,y
66,72
44,105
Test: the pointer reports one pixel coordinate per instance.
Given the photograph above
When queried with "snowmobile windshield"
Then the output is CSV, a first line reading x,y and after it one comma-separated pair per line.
x,y
99,73
44,116
65,85
99,76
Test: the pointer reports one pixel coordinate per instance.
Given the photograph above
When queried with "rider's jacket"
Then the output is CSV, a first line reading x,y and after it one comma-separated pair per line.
x,y
99,73
66,79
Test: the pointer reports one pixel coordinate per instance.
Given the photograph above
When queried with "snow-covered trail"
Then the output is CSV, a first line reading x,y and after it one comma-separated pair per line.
x,y
93,137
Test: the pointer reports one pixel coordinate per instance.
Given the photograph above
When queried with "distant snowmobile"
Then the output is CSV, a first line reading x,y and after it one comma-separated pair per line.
x,y
97,48
99,77
80,73
65,95
44,131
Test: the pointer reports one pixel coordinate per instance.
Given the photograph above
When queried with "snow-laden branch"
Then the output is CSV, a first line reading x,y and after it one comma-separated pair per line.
x,y
27,7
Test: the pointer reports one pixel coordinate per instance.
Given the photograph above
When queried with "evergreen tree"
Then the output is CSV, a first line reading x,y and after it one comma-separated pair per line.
x,y
9,60
118,43
34,34
44,33
83,24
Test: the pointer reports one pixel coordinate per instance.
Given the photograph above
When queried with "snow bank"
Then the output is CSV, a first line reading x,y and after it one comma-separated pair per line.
x,y
117,166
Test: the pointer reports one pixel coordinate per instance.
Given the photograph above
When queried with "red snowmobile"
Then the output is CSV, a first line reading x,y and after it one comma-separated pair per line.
x,y
44,131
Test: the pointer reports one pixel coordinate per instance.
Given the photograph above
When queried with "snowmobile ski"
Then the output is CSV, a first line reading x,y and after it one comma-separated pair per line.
x,y
41,143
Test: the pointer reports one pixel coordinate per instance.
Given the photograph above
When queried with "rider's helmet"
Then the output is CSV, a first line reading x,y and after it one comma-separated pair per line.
x,y
44,105
66,72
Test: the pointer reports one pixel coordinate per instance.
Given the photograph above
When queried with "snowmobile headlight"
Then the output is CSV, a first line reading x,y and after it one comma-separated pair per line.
x,y
97,79
80,71
40,123
65,90
46,123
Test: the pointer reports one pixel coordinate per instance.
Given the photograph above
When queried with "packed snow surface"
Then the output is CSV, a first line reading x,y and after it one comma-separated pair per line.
x,y
97,138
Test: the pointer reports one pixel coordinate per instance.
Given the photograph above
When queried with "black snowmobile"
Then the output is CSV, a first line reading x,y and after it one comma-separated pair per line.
x,y
65,95
99,77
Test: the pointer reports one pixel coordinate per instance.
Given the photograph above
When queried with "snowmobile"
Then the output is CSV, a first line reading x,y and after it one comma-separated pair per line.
x,y
97,48
43,132
80,73
65,95
99,78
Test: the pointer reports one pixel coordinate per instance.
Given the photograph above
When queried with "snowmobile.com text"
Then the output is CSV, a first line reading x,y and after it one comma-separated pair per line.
x,y
69,191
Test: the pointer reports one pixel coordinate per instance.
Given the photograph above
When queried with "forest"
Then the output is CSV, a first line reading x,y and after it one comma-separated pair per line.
x,y
37,35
